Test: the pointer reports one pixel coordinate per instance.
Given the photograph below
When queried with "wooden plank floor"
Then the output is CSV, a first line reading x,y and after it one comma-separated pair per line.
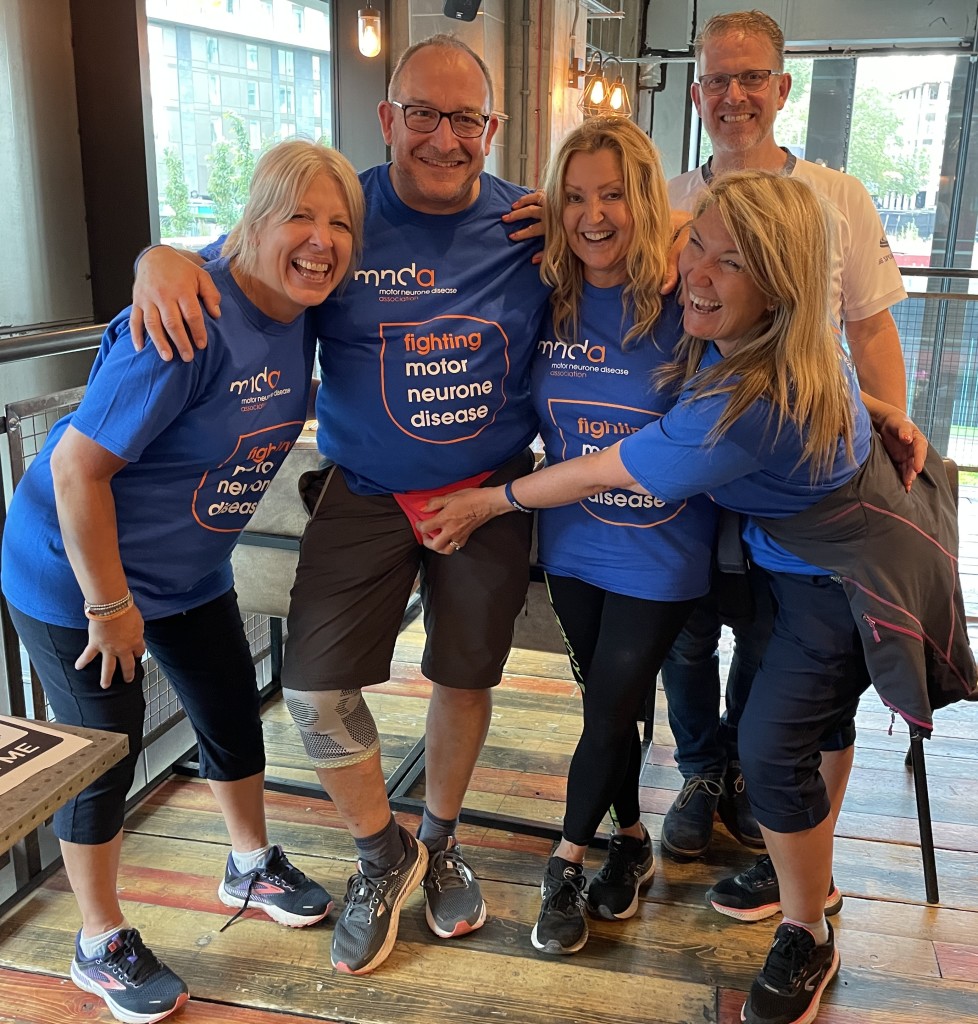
x,y
676,962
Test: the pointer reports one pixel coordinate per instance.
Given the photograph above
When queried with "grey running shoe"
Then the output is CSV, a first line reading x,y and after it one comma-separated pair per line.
x,y
754,894
452,894
366,929
562,924
613,892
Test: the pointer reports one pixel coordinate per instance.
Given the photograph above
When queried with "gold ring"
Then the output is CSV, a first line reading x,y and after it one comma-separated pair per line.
x,y
455,544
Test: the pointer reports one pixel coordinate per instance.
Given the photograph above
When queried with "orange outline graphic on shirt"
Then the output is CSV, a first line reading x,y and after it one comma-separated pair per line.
x,y
419,323
583,502
241,438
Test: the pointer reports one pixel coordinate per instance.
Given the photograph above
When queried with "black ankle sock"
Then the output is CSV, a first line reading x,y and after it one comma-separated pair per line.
x,y
381,851
433,830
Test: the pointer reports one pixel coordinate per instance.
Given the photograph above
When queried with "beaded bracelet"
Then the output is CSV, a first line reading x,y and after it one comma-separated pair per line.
x,y
110,609
508,493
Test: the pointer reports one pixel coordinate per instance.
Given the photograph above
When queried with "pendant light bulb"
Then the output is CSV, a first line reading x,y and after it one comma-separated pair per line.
x,y
368,31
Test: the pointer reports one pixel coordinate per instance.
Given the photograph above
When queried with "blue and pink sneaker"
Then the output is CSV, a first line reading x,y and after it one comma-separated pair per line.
x,y
137,988
278,888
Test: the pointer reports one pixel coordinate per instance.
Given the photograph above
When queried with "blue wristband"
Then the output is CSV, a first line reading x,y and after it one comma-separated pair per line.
x,y
135,266
508,492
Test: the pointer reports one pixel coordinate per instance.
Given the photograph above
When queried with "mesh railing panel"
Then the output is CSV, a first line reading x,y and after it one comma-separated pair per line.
x,y
939,336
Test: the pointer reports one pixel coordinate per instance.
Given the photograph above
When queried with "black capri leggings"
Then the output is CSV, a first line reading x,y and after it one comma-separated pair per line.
x,y
616,646
204,653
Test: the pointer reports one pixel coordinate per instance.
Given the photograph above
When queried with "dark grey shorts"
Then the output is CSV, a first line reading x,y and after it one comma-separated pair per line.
x,y
358,562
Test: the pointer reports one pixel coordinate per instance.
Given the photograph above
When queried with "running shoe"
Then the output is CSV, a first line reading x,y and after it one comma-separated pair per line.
x,y
613,892
454,903
136,987
754,894
367,928
277,887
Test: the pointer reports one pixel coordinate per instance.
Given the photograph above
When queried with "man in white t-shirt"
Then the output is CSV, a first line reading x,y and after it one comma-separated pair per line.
x,y
741,85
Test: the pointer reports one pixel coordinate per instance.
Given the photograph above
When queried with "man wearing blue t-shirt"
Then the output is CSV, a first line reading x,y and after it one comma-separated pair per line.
x,y
425,386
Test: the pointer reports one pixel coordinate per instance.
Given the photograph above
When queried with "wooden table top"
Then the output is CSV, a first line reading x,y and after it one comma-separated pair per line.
x,y
30,803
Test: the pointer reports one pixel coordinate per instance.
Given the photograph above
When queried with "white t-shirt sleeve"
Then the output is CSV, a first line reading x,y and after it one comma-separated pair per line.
x,y
684,190
870,279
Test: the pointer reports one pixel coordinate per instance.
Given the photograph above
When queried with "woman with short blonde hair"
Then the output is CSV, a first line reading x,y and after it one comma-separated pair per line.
x,y
119,540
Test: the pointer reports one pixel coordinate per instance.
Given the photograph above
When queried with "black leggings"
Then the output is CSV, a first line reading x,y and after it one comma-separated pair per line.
x,y
616,646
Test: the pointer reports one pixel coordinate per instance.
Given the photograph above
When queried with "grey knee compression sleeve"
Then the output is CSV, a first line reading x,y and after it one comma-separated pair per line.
x,y
336,726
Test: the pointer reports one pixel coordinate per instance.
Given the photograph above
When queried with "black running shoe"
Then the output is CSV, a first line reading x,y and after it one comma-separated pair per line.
x,y
137,988
277,887
754,894
562,924
790,985
365,932
613,892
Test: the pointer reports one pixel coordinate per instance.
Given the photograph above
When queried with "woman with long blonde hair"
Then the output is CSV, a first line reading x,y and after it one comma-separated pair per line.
x,y
622,569
770,424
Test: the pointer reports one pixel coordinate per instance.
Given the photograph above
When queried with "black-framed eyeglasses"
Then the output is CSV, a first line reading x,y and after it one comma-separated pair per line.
x,y
750,81
467,124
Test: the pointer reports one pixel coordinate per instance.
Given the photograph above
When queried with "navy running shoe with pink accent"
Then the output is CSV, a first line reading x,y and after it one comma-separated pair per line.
x,y
754,894
136,987
790,985
278,888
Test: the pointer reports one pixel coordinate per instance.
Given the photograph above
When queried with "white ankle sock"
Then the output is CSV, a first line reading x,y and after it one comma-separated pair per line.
x,y
819,928
91,945
250,861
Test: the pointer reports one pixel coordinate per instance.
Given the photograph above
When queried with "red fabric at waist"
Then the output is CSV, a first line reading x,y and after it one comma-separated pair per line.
x,y
413,502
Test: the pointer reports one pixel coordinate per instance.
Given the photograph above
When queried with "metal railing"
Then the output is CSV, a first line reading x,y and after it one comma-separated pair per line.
x,y
938,327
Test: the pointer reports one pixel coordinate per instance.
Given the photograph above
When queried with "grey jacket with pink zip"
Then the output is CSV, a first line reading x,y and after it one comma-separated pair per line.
x,y
896,554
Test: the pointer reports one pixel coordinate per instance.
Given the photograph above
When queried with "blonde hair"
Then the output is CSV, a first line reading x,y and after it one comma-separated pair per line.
x,y
282,176
648,202
791,358
748,23
442,41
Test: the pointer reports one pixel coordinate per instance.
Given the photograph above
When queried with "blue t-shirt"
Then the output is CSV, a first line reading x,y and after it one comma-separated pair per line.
x,y
425,355
202,441
588,395
748,470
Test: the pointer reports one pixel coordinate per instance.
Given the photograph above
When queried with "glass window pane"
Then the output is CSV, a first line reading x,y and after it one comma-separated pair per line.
x,y
227,80
896,145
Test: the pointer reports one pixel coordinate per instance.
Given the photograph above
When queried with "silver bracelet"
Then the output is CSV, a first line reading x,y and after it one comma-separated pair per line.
x,y
108,609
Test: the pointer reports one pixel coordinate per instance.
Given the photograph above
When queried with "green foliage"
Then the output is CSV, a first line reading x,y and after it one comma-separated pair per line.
x,y
874,148
176,195
791,127
232,164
